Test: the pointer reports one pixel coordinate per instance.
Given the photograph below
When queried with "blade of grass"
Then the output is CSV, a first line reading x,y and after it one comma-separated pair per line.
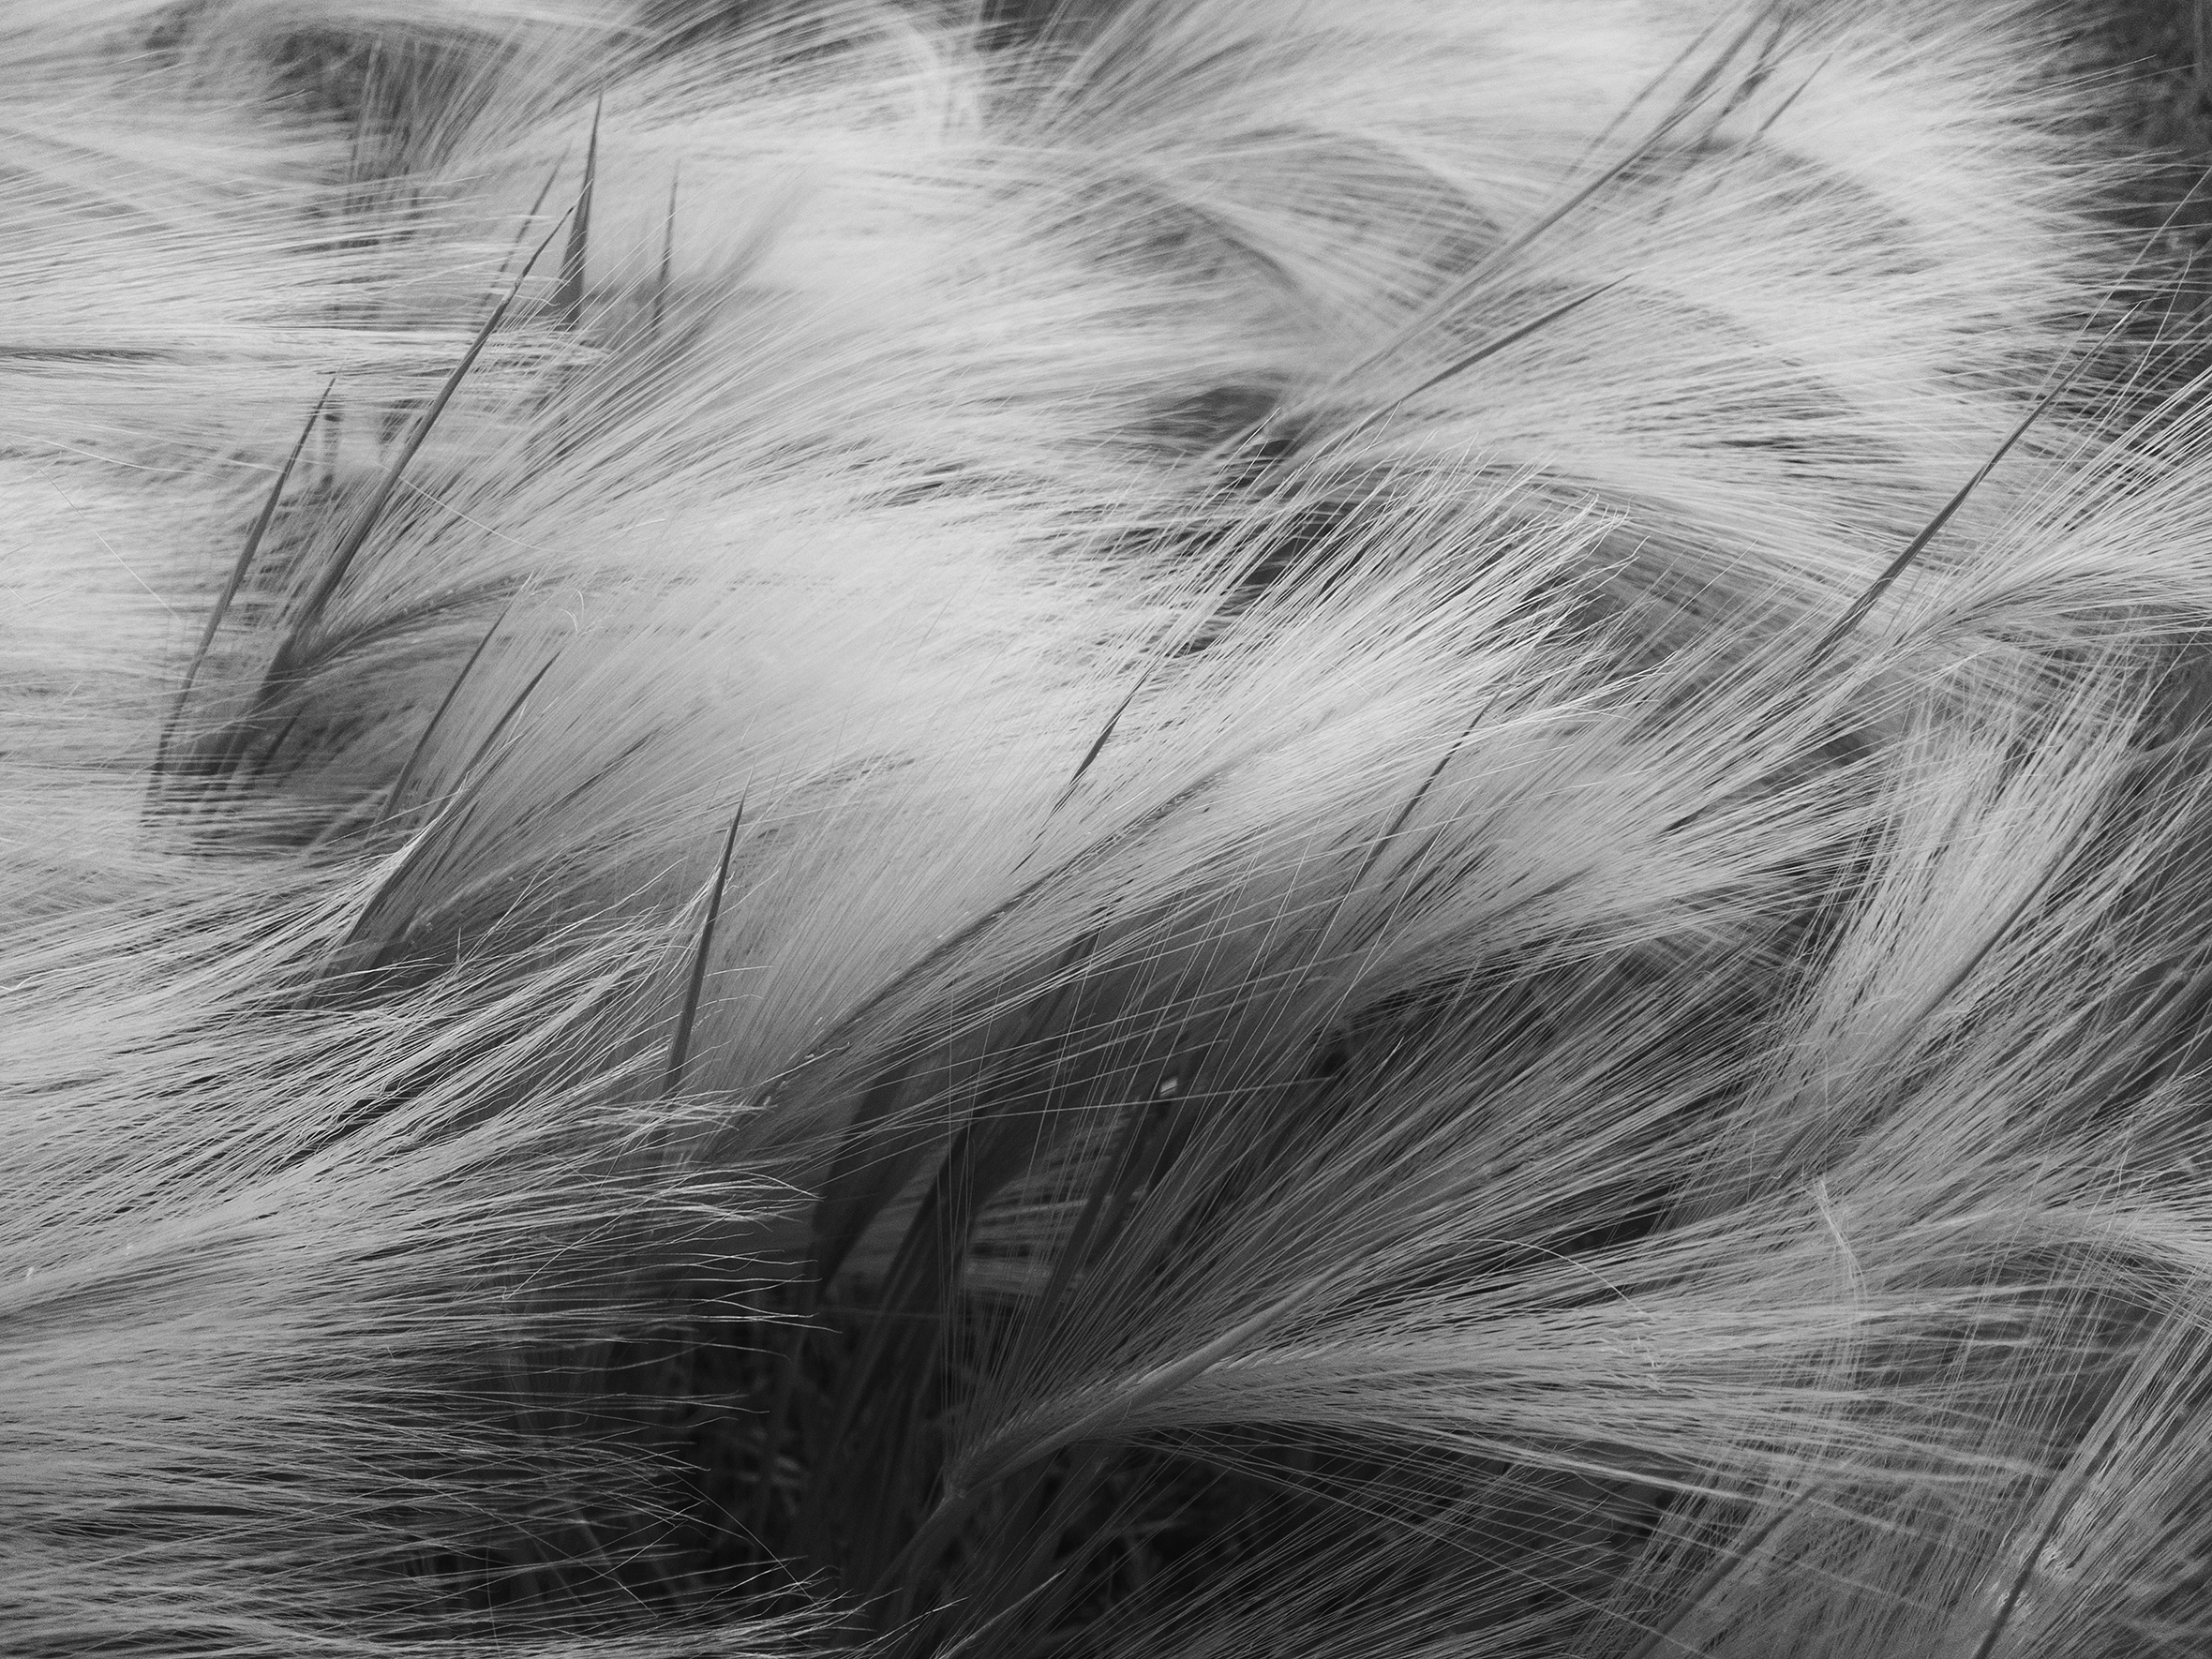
x,y
668,251
1444,303
1872,596
832,1040
234,580
568,297
428,841
365,524
422,743
680,1047
1482,354
1098,744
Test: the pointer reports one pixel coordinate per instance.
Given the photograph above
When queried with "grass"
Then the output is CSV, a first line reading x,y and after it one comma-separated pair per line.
x,y
1553,1013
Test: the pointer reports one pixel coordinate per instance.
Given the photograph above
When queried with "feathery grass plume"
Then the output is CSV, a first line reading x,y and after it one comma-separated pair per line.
x,y
1175,827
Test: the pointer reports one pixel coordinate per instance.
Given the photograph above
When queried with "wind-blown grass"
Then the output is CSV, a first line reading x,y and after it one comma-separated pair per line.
x,y
1199,828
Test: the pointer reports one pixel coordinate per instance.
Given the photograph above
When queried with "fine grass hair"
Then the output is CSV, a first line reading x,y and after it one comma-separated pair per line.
x,y
1192,828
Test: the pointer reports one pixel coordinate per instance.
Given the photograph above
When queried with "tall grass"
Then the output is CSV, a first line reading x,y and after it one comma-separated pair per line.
x,y
1199,828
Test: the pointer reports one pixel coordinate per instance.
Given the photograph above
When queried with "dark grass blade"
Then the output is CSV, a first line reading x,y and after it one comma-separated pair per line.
x,y
1489,349
668,252
500,725
1848,622
1173,642
1482,354
1412,805
287,657
1098,744
1620,116
333,444
233,581
568,298
429,848
1789,103
1685,108
834,1042
680,1047
372,513
422,744
536,203
1748,83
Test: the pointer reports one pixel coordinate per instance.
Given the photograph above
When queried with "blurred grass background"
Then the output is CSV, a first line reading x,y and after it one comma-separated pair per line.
x,y
2157,56
2163,48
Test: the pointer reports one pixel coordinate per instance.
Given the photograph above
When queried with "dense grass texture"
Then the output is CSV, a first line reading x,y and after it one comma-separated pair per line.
x,y
1163,829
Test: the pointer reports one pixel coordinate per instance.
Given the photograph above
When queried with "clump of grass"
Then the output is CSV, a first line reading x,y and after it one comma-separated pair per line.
x,y
1463,912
